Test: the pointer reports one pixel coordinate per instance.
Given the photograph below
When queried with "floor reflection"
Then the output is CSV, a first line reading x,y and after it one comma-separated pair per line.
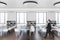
x,y
25,36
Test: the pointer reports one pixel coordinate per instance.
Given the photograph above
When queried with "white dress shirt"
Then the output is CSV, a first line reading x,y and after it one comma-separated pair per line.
x,y
32,29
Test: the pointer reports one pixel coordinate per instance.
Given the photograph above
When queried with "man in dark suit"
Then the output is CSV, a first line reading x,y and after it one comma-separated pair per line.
x,y
48,31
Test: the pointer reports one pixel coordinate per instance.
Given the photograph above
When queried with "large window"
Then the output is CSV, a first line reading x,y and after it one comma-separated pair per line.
x,y
40,17
6,15
21,18
58,17
3,18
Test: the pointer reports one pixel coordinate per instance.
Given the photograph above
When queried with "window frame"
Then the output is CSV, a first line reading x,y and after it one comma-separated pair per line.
x,y
18,20
37,19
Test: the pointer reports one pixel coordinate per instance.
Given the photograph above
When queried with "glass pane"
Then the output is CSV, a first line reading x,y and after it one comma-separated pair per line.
x,y
37,18
25,18
56,17
44,17
22,17
1,17
40,17
59,17
6,17
18,18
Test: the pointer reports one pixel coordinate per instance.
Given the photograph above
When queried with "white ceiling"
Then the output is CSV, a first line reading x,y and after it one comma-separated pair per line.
x,y
19,4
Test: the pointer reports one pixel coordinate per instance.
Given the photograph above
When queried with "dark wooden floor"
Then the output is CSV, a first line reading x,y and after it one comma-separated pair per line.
x,y
10,36
24,36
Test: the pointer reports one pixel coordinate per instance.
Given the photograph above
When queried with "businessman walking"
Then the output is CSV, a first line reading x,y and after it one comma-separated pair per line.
x,y
48,31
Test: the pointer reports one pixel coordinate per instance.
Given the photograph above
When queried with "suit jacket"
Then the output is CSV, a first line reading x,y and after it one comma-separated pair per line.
x,y
49,26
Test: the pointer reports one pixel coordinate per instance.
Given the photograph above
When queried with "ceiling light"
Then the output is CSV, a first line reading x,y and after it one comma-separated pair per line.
x,y
57,4
2,4
30,2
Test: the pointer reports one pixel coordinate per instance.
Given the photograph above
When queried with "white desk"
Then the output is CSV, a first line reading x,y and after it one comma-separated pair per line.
x,y
5,30
57,29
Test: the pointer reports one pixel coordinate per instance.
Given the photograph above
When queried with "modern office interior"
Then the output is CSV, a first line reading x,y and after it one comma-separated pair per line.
x,y
18,16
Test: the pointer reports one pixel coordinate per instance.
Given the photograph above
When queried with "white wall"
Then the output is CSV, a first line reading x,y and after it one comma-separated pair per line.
x,y
11,16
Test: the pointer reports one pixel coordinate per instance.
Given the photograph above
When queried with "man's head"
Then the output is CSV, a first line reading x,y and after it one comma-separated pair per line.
x,y
49,21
